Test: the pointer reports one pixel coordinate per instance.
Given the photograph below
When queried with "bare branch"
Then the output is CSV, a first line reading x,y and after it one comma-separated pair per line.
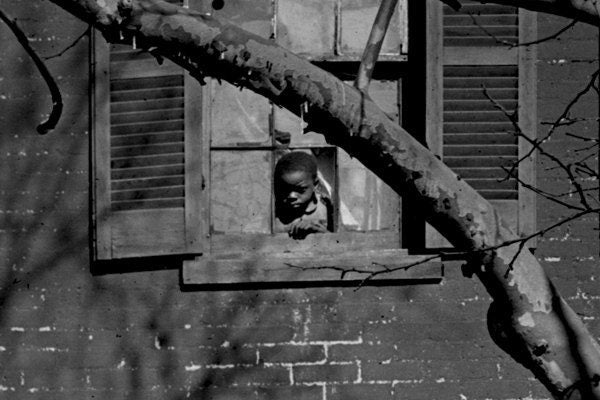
x,y
536,143
63,51
373,47
57,104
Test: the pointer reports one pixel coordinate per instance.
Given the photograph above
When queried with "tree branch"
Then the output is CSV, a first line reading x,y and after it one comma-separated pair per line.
x,y
57,104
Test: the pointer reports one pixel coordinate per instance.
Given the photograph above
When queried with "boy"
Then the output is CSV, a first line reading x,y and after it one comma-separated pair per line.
x,y
298,205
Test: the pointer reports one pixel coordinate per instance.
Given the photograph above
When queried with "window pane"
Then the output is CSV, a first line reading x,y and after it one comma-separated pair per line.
x,y
366,203
240,193
385,95
237,117
251,15
290,126
357,19
307,26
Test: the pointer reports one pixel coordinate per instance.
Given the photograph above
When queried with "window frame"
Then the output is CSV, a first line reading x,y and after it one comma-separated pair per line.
x,y
238,258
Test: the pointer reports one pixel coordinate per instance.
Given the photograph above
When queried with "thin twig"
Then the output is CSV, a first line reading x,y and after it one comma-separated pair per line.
x,y
57,104
63,51
386,269
513,44
536,143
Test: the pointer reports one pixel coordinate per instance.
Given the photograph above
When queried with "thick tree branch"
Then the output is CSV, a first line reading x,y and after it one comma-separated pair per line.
x,y
207,46
57,104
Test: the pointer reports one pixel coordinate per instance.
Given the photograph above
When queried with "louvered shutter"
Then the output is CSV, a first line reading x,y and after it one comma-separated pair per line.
x,y
467,131
147,161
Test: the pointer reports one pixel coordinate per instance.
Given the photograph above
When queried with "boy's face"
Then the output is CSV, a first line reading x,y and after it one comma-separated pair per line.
x,y
296,188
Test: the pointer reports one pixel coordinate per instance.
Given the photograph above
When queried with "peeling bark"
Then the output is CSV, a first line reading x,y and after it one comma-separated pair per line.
x,y
528,318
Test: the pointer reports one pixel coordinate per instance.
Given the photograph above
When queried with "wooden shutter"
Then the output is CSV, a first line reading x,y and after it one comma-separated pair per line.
x,y
147,156
467,54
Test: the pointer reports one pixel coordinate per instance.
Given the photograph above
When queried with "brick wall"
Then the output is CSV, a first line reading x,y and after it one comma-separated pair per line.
x,y
65,334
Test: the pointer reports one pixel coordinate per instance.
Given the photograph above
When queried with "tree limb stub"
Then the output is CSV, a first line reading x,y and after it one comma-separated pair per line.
x,y
374,42
531,308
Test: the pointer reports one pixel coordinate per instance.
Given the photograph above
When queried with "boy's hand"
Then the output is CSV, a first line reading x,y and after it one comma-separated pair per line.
x,y
300,229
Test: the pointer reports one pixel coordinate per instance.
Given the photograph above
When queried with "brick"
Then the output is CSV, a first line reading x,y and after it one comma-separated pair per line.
x,y
291,353
393,370
218,355
427,391
257,334
332,332
221,393
359,392
325,373
461,370
241,375
365,351
414,332
290,393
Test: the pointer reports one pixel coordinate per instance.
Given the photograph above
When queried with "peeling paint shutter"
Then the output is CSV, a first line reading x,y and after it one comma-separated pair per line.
x,y
471,135
147,156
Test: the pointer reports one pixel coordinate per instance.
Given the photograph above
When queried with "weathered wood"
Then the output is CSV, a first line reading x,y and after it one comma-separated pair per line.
x,y
326,243
352,267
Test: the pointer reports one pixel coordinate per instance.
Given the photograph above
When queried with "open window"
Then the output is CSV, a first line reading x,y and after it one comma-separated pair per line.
x,y
187,170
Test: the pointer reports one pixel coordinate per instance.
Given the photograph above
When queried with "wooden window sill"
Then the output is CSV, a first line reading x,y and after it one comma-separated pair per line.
x,y
350,267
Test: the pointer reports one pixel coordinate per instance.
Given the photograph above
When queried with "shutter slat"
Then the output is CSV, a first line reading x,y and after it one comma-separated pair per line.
x,y
481,150
146,172
478,94
482,127
146,150
130,184
142,139
145,94
451,71
480,139
481,105
148,161
474,116
469,174
478,82
481,162
153,193
147,204
149,127
147,105
493,184
149,116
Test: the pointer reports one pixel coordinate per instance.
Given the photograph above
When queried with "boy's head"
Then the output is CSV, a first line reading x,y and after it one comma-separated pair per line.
x,y
295,180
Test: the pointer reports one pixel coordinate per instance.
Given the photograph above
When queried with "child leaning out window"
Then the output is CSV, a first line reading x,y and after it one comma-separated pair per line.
x,y
299,205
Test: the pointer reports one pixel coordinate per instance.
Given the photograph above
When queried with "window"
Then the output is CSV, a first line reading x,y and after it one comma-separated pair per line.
x,y
181,169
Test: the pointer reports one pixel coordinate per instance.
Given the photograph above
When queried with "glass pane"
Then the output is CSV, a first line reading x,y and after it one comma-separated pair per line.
x,y
385,95
237,117
307,26
326,159
289,130
357,20
240,193
366,203
251,15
